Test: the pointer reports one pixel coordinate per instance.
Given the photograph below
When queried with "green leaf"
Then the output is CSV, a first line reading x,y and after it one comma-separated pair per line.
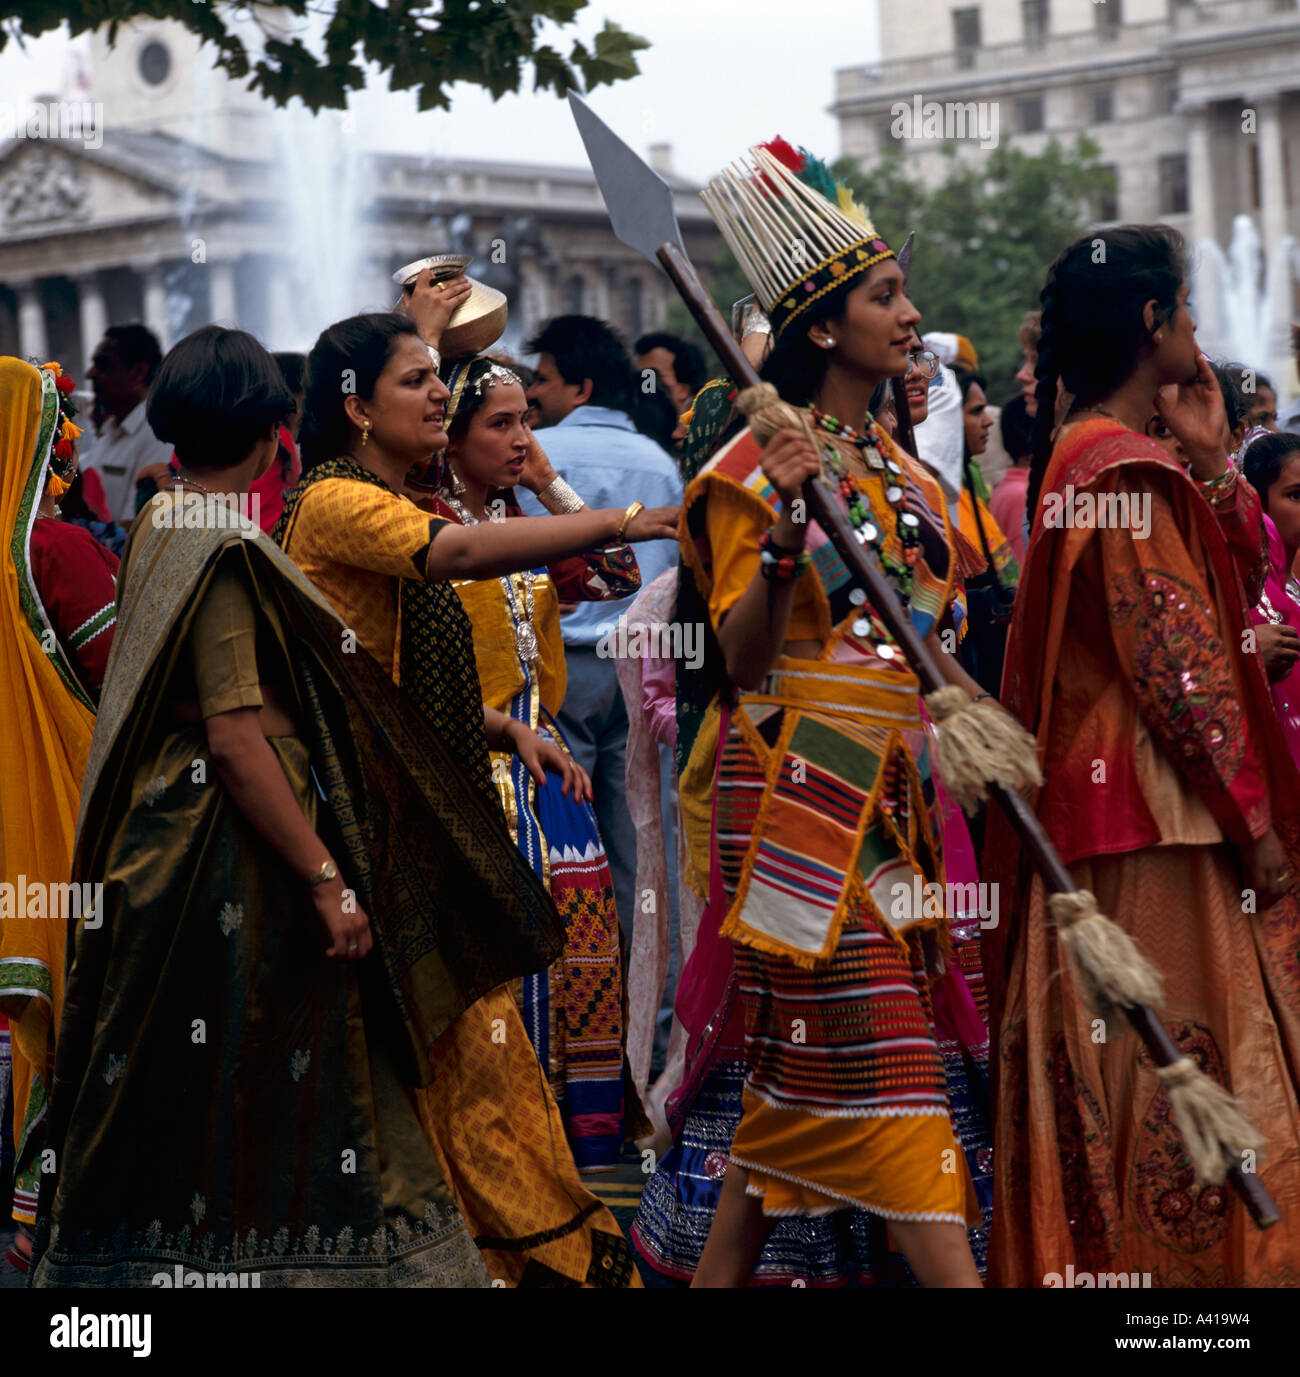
x,y
419,44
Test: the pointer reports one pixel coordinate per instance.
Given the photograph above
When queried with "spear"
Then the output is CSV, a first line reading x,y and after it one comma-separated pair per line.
x,y
640,206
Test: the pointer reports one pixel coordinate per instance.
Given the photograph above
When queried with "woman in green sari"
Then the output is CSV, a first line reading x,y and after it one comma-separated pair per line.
x,y
234,1084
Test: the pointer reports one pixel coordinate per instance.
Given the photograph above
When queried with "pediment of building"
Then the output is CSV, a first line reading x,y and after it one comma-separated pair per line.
x,y
60,186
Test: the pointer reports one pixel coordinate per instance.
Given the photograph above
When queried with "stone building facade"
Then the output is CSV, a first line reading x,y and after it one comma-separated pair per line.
x,y
1195,104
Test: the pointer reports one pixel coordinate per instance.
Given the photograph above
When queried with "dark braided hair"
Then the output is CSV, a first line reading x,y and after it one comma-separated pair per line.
x,y
1092,326
1266,459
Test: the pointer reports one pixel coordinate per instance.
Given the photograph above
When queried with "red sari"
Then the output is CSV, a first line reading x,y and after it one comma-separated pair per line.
x,y
1163,761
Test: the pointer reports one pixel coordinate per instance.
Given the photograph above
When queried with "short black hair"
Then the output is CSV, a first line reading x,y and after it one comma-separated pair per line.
x,y
216,394
1266,458
293,368
1017,427
688,362
136,343
584,347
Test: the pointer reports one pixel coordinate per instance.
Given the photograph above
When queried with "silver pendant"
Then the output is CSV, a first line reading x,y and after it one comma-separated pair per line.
x,y
886,652
893,494
868,532
861,626
857,597
910,520
526,641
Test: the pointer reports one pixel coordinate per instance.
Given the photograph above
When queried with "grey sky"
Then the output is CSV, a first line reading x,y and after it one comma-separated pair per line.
x,y
719,75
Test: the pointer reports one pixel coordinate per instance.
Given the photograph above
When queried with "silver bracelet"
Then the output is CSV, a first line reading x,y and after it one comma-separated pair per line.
x,y
559,498
756,323
435,357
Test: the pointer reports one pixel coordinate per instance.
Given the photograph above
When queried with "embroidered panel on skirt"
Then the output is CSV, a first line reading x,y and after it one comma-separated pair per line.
x,y
846,1101
574,1011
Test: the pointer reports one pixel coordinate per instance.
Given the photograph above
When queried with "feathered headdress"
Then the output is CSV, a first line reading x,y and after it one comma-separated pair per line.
x,y
796,232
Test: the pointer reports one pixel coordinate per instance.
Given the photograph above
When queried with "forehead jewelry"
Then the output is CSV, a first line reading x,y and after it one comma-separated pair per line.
x,y
495,374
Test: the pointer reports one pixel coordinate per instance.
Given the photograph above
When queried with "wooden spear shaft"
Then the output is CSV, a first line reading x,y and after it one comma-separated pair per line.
x,y
831,518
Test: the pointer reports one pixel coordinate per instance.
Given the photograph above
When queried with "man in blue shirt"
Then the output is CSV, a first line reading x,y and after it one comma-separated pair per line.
x,y
583,392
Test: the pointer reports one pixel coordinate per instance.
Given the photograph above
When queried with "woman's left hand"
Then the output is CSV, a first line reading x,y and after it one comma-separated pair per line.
x,y
542,755
1194,413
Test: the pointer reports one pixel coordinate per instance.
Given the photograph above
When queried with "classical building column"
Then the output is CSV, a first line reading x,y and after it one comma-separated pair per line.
x,y
222,308
598,290
33,342
93,312
1200,174
155,304
1272,173
1273,228
279,307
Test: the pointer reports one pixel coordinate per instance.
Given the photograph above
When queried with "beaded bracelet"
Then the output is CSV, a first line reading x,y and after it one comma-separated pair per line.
x,y
777,563
1214,489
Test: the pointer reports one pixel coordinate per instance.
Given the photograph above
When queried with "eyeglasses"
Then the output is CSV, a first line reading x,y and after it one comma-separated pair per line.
x,y
925,362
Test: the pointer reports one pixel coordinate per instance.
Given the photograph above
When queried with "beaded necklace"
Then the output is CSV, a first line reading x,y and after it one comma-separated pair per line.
x,y
525,631
860,514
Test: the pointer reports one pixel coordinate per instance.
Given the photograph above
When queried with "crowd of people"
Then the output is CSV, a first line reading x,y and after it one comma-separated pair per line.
x,y
466,776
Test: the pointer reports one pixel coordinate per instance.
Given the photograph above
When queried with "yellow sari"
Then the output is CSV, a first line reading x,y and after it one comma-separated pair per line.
x,y
45,729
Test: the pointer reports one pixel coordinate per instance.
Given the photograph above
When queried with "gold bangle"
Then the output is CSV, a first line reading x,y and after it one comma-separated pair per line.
x,y
628,517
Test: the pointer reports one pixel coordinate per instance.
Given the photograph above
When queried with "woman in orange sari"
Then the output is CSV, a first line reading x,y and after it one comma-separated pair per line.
x,y
1168,793
386,567
56,625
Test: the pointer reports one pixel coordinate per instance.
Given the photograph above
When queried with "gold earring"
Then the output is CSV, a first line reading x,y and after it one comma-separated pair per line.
x,y
365,432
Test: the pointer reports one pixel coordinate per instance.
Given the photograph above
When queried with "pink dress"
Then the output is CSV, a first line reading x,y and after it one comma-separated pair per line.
x,y
1007,504
1276,605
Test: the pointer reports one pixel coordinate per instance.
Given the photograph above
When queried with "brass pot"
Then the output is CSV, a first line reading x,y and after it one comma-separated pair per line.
x,y
476,323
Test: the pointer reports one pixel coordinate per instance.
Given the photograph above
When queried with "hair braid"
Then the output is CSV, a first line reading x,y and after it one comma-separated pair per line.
x,y
1093,324
1048,373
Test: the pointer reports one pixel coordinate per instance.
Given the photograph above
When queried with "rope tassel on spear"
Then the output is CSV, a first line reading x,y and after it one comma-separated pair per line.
x,y
983,752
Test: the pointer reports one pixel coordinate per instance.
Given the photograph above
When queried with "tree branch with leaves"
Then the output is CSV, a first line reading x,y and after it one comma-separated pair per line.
x,y
315,49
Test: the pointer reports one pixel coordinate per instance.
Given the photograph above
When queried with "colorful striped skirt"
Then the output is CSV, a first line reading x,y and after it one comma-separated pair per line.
x,y
846,1100
574,1012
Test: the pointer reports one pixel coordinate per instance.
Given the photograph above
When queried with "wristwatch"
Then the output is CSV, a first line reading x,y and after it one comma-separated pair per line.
x,y
328,871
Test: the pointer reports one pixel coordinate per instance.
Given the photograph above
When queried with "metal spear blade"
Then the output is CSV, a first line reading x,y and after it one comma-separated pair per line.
x,y
905,257
639,201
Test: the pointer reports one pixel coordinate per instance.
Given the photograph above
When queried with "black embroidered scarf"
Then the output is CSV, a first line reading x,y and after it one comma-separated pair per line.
x,y
438,670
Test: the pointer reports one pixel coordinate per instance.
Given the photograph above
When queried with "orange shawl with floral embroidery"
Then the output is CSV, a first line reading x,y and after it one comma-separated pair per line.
x,y
1126,657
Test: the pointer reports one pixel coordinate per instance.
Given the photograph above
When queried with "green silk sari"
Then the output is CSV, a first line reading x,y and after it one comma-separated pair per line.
x,y
225,1098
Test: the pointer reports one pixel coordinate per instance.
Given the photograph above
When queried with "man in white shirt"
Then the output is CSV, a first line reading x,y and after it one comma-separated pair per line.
x,y
121,370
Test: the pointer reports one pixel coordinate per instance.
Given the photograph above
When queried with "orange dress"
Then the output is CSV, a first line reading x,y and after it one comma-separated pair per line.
x,y
1162,761
823,823
490,1112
